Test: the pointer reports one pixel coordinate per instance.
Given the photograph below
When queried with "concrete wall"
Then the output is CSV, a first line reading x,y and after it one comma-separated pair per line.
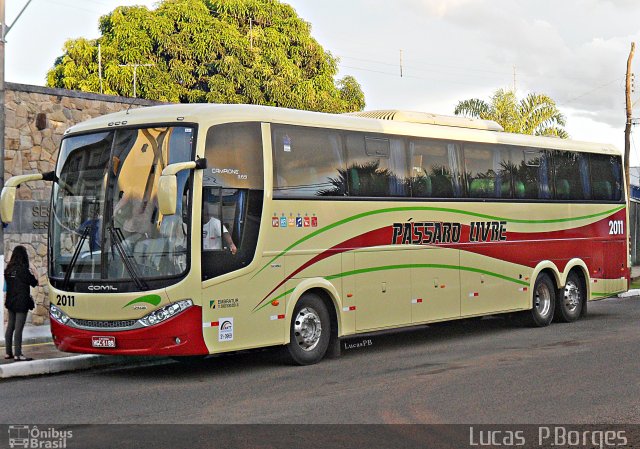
x,y
36,118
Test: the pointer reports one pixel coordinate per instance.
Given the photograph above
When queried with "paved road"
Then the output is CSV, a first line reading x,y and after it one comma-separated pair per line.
x,y
466,372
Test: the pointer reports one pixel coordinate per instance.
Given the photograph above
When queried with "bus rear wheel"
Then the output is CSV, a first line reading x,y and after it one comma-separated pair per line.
x,y
544,298
570,299
310,330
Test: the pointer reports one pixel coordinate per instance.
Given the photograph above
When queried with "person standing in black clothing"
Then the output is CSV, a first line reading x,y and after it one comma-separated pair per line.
x,y
18,278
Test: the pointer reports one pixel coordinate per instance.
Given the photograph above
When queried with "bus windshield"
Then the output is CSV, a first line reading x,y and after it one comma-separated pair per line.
x,y
105,221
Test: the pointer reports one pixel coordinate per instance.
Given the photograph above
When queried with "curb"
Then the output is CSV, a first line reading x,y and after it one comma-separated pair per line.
x,y
62,364
630,293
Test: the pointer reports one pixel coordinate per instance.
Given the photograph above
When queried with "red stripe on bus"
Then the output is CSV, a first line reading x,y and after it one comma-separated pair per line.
x,y
522,248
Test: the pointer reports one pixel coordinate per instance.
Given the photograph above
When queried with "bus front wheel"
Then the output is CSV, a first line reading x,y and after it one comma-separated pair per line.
x,y
570,299
310,330
544,299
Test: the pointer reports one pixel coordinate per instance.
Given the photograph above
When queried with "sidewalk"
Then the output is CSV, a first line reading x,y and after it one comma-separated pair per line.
x,y
33,334
47,359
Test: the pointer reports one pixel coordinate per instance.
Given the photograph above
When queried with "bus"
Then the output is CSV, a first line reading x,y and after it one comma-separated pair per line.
x,y
189,230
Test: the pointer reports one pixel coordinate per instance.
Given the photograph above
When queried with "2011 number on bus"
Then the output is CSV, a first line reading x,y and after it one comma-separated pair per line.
x,y
616,227
66,300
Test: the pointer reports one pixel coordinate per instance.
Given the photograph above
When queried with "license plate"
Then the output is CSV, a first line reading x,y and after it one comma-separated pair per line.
x,y
103,342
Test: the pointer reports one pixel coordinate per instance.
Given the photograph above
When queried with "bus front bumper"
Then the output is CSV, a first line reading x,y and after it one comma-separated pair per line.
x,y
177,336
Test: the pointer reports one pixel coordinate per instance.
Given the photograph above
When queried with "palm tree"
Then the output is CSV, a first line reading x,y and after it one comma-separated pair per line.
x,y
535,114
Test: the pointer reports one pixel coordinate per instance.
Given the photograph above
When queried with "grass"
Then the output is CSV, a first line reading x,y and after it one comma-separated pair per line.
x,y
635,283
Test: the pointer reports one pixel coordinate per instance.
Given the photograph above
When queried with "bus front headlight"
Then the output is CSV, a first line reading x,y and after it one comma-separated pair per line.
x,y
58,314
166,312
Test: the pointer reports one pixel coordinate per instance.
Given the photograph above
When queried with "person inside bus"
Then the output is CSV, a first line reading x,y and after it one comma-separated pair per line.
x,y
94,224
212,228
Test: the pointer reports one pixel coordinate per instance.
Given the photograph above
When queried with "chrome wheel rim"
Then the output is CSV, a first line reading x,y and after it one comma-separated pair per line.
x,y
307,328
542,300
571,297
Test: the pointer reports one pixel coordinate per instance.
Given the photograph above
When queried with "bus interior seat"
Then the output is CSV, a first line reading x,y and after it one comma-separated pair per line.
x,y
442,186
563,189
396,186
152,253
505,189
482,188
354,184
602,190
519,189
422,186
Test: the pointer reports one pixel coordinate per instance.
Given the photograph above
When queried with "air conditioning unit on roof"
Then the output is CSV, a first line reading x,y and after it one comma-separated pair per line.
x,y
430,119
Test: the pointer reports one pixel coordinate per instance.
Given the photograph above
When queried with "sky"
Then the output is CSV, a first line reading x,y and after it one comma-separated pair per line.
x,y
574,51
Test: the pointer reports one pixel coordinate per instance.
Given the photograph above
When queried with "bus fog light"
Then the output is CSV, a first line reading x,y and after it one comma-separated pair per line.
x,y
178,341
166,312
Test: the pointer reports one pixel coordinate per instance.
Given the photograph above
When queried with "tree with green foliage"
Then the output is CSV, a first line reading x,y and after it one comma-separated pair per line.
x,y
535,114
216,51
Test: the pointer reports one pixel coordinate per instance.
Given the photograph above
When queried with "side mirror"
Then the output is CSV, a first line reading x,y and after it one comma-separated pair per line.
x,y
7,201
8,195
168,184
167,193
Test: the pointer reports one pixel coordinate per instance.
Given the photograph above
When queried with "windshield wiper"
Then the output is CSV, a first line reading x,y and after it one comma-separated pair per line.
x,y
117,240
76,253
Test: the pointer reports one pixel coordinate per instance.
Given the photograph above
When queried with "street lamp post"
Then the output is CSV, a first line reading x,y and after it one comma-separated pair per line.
x,y
4,30
135,71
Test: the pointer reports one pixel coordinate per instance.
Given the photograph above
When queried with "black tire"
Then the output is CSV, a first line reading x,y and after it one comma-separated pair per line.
x,y
310,330
544,299
570,300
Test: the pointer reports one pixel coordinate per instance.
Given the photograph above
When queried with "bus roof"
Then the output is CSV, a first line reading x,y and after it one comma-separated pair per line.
x,y
405,123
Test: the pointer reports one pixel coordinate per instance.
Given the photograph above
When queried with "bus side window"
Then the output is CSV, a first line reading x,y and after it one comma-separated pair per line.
x,y
218,213
377,165
606,177
571,181
431,175
487,171
530,171
230,226
307,162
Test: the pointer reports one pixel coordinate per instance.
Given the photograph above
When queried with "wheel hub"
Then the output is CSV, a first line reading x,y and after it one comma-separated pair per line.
x,y
571,296
542,300
307,328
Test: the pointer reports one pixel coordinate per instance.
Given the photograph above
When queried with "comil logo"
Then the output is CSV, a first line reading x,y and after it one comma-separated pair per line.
x,y
33,437
102,288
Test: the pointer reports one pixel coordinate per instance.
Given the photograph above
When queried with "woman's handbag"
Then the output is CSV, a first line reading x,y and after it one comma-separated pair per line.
x,y
32,304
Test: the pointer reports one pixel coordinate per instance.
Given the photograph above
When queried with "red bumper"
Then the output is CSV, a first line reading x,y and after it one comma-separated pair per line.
x,y
153,340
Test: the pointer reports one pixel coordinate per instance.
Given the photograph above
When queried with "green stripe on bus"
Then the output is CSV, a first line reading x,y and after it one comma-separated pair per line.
x,y
154,300
433,209
405,266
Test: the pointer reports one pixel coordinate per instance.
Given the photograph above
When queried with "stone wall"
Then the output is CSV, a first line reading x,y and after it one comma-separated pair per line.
x,y
36,118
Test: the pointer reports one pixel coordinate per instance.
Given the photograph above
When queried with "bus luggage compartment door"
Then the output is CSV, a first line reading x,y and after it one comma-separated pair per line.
x,y
435,284
383,289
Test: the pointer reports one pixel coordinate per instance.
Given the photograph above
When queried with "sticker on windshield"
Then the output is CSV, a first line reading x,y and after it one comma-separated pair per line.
x,y
286,144
225,331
